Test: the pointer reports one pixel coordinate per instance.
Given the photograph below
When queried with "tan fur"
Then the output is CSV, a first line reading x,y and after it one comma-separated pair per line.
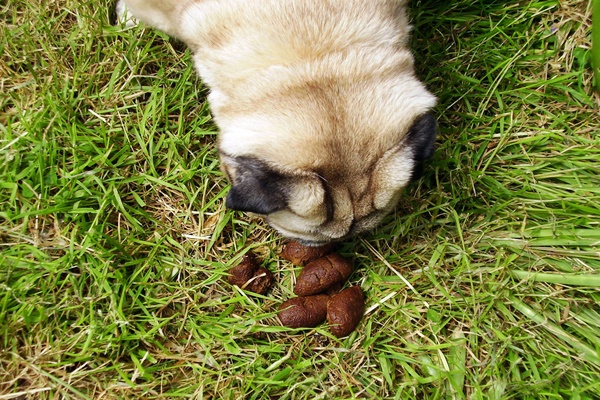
x,y
323,91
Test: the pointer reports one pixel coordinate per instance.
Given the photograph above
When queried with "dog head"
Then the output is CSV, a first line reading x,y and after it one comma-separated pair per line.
x,y
324,162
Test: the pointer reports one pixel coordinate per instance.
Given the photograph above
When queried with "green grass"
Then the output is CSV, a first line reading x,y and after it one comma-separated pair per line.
x,y
114,239
596,43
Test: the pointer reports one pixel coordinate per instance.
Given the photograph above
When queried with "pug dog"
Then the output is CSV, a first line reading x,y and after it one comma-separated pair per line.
x,y
322,120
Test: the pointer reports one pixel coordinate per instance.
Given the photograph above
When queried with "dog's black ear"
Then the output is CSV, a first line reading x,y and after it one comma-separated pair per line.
x,y
255,187
421,139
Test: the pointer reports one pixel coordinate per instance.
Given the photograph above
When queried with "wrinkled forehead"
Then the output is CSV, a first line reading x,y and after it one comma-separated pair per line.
x,y
346,126
302,144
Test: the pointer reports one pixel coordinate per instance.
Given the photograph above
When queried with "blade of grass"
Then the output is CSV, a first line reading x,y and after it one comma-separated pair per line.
x,y
586,352
590,280
596,43
457,359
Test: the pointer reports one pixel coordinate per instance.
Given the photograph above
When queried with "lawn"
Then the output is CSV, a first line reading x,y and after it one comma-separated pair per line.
x,y
114,239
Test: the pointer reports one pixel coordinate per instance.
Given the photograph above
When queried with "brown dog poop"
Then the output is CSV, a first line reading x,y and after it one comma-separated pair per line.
x,y
303,312
345,310
301,255
248,275
318,289
320,275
